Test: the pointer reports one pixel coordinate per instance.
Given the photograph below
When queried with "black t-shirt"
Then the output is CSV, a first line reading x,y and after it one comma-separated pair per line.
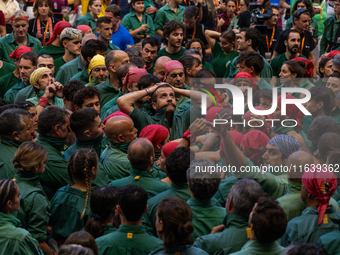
x,y
199,33
308,44
263,45
32,28
244,19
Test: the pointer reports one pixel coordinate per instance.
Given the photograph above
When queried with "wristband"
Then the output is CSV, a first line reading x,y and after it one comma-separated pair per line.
x,y
43,101
190,136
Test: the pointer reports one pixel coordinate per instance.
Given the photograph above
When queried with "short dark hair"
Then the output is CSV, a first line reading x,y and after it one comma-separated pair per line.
x,y
12,120
50,117
31,56
269,220
146,81
321,125
322,65
252,59
152,41
84,239
304,248
3,102
202,186
103,20
7,192
70,89
266,93
133,53
8,106
137,61
177,164
255,36
189,61
287,34
114,9
26,105
328,142
90,48
205,73
85,93
154,94
132,199
323,94
190,12
202,45
170,27
44,55
82,120
298,13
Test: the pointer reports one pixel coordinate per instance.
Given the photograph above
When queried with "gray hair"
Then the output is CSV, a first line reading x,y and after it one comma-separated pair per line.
x,y
193,51
12,120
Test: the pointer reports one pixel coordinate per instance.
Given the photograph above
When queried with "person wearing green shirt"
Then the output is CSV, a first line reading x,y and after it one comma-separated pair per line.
x,y
196,48
54,128
172,37
223,52
141,156
13,239
330,242
138,22
131,235
19,37
177,163
6,68
34,210
90,18
150,48
235,232
17,127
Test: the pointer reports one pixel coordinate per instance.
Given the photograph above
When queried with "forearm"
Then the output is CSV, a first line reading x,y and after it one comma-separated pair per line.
x,y
135,32
212,155
45,248
212,34
159,33
3,31
200,13
126,102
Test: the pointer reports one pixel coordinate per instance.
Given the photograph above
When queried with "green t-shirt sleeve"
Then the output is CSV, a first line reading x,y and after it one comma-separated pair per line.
x,y
29,246
159,20
140,119
126,22
216,49
151,27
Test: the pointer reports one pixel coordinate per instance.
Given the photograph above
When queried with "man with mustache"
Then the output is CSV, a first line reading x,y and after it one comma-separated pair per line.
x,y
292,41
150,48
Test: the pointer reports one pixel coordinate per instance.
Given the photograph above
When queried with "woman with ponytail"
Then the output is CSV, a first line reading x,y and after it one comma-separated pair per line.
x,y
174,226
69,206
104,218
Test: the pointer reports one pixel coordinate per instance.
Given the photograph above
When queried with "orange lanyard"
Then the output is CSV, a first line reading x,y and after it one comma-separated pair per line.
x,y
43,42
302,44
237,9
193,35
185,2
216,3
271,40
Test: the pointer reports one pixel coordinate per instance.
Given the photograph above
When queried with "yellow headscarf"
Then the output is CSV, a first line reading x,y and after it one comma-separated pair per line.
x,y
37,73
97,60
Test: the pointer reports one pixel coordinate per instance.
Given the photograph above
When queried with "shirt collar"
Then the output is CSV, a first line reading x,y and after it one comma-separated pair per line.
x,y
131,229
233,219
138,172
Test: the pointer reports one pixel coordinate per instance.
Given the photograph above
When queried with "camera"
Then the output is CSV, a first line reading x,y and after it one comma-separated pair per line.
x,y
258,18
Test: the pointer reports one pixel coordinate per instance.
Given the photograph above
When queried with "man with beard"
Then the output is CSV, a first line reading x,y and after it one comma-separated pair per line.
x,y
163,104
292,41
150,48
104,29
27,64
173,33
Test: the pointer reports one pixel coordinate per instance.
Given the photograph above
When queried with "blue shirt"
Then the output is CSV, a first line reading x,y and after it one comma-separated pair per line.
x,y
122,38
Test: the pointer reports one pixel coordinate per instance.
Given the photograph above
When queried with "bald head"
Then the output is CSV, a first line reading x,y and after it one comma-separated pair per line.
x,y
141,154
120,129
295,160
158,70
89,37
114,59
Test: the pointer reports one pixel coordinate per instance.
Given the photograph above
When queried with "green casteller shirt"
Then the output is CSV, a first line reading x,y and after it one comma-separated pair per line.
x,y
326,36
98,145
7,82
59,62
305,228
128,239
231,239
181,249
25,93
55,175
277,63
180,122
330,242
131,22
205,216
12,93
176,190
221,60
16,240
105,110
111,46
263,84
8,149
253,247
144,179
68,70
33,212
306,83
207,65
107,91
88,20
115,162
336,115
223,189
313,23
8,45
166,14
6,68
175,56
67,206
82,76
57,101
55,51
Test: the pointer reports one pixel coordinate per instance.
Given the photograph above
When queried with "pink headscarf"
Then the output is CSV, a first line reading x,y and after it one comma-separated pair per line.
x,y
237,138
168,148
154,133
333,53
58,28
84,28
255,142
212,111
248,76
118,113
265,129
134,75
172,65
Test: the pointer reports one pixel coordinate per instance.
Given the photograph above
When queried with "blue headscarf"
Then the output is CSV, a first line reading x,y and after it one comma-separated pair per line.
x,y
286,144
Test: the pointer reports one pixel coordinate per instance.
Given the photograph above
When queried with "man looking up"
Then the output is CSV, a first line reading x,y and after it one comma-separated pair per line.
x,y
173,33
158,69
150,48
19,37
104,29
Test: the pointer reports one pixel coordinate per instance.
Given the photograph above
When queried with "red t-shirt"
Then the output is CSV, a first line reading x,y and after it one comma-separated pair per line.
x,y
2,19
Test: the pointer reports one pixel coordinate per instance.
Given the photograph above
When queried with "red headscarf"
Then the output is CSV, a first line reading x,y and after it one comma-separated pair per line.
x,y
255,142
212,111
248,76
310,66
134,75
172,65
322,185
237,138
265,129
118,113
291,110
168,148
154,133
58,28
19,51
84,28
333,53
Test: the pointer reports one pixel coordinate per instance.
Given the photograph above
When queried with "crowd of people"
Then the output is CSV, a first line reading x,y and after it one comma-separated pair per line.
x,y
111,139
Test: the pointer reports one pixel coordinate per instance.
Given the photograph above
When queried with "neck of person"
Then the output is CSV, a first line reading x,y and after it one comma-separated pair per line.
x,y
16,73
83,61
81,185
171,49
124,89
337,16
113,80
297,29
124,221
148,65
313,203
22,40
26,83
173,5
269,26
257,77
291,83
43,17
231,16
139,15
94,16
320,112
290,55
56,42
68,56
103,39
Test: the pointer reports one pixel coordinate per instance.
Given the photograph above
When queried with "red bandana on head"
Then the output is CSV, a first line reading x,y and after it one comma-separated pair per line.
x,y
172,65
19,51
155,134
58,28
310,66
134,75
247,76
168,148
255,142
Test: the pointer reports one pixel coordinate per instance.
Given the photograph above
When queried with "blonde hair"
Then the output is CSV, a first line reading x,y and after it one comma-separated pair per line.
x,y
36,5
28,155
18,15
